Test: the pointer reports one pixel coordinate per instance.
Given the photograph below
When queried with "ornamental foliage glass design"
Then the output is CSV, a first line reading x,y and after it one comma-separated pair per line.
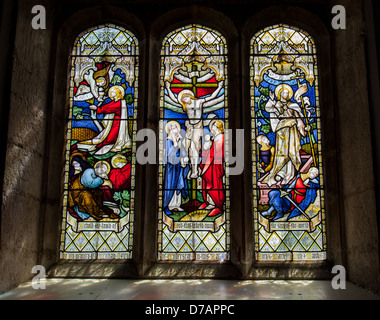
x,y
288,193
98,203
193,175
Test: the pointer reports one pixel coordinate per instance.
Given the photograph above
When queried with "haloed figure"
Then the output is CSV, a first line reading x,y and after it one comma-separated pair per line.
x,y
287,124
213,170
194,108
85,198
176,169
114,136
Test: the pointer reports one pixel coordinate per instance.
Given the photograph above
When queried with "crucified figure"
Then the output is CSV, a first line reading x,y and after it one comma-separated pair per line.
x,y
195,108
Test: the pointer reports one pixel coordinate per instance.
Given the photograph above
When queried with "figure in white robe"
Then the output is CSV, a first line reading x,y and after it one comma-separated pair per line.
x,y
286,123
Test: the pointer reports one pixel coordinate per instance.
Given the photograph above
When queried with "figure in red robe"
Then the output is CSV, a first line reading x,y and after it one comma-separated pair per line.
x,y
121,177
299,192
109,108
213,171
114,136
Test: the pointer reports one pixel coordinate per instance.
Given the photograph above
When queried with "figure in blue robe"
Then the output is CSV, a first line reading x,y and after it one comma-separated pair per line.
x,y
175,183
302,195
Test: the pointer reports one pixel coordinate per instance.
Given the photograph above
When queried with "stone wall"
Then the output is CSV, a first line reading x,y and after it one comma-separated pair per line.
x,y
358,204
23,197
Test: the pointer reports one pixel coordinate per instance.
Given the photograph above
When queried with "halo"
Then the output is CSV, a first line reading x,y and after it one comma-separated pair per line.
x,y
215,121
167,125
77,154
185,92
120,88
105,163
211,123
118,158
282,87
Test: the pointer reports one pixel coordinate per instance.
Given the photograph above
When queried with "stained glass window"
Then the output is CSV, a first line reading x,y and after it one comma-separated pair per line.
x,y
193,175
98,203
288,192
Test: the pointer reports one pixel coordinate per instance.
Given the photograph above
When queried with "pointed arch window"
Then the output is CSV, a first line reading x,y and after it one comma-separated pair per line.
x,y
193,176
99,182
288,186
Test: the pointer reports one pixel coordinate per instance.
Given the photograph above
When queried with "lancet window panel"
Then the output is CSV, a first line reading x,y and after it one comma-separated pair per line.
x,y
99,179
193,174
288,186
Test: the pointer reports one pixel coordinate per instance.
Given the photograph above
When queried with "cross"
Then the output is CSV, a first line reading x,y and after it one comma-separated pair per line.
x,y
193,70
